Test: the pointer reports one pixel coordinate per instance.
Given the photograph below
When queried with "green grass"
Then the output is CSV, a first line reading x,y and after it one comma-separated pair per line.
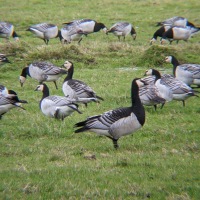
x,y
42,158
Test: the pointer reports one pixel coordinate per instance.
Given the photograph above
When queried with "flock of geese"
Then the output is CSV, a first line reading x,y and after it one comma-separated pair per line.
x,y
151,90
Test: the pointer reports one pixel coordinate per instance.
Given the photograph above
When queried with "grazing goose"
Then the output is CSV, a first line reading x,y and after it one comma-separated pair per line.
x,y
122,29
179,33
149,96
88,25
42,71
7,30
77,89
164,91
3,58
6,93
188,73
45,31
72,33
9,102
175,21
118,122
55,106
159,33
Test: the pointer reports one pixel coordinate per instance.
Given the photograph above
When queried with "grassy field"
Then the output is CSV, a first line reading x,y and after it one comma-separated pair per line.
x,y
42,158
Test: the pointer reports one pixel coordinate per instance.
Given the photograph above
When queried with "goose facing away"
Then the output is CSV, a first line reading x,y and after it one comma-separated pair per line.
x,y
72,33
55,106
7,30
77,89
9,102
118,122
122,29
42,71
188,73
45,31
179,33
88,25
164,91
175,21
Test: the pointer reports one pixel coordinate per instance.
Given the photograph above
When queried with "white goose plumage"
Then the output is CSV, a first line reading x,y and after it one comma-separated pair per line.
x,y
118,122
76,89
55,106
42,71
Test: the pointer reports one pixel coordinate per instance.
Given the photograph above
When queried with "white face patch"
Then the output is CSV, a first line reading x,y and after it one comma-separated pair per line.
x,y
168,59
139,83
67,64
148,72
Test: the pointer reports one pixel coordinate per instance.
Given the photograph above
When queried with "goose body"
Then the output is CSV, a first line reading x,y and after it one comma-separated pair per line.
x,y
164,91
44,31
72,33
176,21
188,73
149,96
7,30
118,122
122,29
88,25
7,102
42,71
55,106
179,33
77,89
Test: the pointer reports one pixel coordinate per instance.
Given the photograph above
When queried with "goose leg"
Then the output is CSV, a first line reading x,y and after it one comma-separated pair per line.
x,y
55,84
116,146
80,41
162,105
183,103
118,38
155,107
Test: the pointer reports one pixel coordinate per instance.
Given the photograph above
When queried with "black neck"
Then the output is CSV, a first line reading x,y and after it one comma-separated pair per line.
x,y
59,35
133,31
175,63
159,32
70,73
14,34
156,74
98,27
25,72
137,106
45,93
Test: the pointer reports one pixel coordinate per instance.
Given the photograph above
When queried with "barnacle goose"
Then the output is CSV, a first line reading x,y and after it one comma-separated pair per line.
x,y
188,73
7,30
55,106
77,89
45,31
122,29
118,122
42,71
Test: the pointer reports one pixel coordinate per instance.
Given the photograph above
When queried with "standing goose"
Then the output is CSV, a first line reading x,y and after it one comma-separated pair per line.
x,y
7,30
118,122
55,106
122,29
72,33
175,21
9,102
179,33
77,89
164,91
88,25
42,71
180,91
45,31
188,73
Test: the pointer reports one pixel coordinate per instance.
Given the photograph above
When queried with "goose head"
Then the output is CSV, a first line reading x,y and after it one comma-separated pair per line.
x,y
148,72
67,64
40,88
168,59
22,80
